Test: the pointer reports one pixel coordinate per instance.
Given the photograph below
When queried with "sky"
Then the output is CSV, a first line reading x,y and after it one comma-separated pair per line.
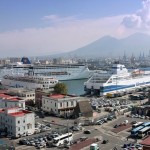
x,y
45,27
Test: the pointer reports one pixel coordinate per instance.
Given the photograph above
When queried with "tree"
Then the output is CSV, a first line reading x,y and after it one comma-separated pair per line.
x,y
60,88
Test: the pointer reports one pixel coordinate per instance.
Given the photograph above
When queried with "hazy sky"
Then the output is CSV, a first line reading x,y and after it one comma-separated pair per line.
x,y
41,27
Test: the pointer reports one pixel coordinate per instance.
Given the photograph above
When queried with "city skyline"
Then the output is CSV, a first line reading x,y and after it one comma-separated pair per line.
x,y
49,27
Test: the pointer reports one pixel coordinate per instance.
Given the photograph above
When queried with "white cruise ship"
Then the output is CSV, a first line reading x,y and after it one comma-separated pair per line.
x,y
61,72
116,80
28,81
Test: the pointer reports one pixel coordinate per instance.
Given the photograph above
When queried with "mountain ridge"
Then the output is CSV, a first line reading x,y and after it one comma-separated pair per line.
x,y
108,46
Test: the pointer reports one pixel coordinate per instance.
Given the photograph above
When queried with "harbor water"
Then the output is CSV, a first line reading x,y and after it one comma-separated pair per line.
x,y
75,87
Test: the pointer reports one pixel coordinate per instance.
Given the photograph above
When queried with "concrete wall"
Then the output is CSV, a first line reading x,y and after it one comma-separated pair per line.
x,y
18,125
55,106
4,103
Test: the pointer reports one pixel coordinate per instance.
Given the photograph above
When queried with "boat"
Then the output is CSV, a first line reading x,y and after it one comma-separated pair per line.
x,y
28,81
62,72
117,80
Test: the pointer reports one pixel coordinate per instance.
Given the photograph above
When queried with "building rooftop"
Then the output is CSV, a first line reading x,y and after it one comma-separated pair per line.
x,y
9,97
16,112
57,96
60,96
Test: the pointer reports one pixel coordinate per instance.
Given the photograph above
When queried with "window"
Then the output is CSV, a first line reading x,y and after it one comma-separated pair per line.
x,y
29,126
22,105
24,127
23,121
71,103
18,122
60,104
18,128
55,104
67,104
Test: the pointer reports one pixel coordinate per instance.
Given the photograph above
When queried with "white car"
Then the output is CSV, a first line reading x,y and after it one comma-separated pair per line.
x,y
29,134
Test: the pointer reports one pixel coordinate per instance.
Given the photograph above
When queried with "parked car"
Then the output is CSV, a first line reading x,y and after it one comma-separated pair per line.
x,y
116,126
3,134
110,118
36,117
133,122
142,117
87,132
83,138
105,141
29,134
99,122
75,128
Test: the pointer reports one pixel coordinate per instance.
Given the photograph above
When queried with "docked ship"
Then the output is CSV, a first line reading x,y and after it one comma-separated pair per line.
x,y
118,79
28,81
61,72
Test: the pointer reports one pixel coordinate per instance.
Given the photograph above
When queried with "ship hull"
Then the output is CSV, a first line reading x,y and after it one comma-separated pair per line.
x,y
121,86
62,74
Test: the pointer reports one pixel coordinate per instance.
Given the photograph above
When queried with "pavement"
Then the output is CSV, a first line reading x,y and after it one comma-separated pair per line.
x,y
122,128
103,132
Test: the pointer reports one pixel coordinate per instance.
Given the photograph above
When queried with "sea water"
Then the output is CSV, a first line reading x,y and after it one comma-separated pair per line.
x,y
75,87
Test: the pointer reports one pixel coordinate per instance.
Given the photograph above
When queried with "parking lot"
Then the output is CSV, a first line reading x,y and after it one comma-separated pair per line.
x,y
102,131
102,127
106,102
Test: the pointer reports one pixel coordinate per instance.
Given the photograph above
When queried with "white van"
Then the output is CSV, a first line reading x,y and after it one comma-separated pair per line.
x,y
94,146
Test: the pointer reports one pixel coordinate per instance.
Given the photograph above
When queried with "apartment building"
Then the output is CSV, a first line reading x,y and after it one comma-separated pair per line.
x,y
58,104
17,122
27,95
8,101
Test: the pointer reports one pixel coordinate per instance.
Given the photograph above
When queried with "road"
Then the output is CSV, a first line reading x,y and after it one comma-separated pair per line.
x,y
103,132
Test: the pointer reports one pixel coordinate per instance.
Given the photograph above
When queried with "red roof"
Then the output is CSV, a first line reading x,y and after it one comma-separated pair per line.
x,y
1,110
20,113
9,97
146,141
57,96
4,95
15,98
17,114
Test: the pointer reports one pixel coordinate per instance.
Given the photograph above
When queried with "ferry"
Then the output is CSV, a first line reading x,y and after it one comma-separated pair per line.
x,y
61,72
28,81
117,80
